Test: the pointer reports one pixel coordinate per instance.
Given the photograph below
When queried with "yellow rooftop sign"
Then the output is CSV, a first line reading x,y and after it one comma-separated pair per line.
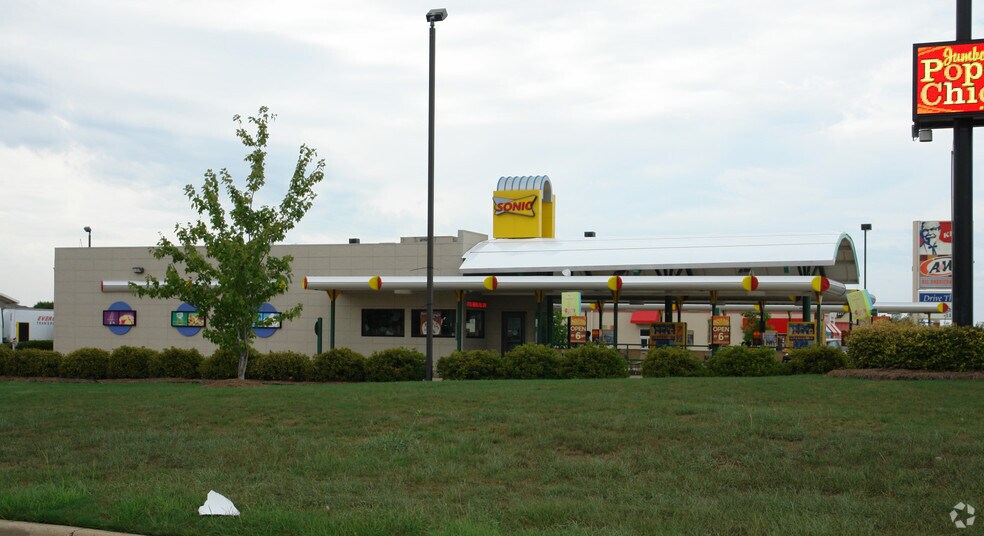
x,y
523,207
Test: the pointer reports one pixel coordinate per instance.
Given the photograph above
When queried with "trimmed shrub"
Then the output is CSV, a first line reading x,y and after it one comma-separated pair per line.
x,y
531,361
280,366
592,361
873,346
36,345
817,359
471,365
907,346
130,362
224,364
177,363
745,361
339,365
672,361
32,363
5,353
396,365
88,363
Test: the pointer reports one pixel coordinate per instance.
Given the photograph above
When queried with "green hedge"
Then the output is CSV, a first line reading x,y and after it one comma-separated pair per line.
x,y
130,362
36,345
745,361
907,346
817,359
396,365
531,361
224,364
31,363
471,365
592,361
177,363
5,353
88,363
280,366
672,361
339,365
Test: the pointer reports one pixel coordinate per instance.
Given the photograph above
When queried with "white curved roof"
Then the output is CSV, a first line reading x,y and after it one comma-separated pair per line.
x,y
767,254
527,182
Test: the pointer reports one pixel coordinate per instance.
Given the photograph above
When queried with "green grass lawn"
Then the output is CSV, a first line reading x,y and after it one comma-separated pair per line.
x,y
783,455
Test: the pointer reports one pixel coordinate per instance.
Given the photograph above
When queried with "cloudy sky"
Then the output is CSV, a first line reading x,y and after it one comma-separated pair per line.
x,y
651,118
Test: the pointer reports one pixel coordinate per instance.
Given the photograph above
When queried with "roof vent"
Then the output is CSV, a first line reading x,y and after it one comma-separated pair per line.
x,y
354,241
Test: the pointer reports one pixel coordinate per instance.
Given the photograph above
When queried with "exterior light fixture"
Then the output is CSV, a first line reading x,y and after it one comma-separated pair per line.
x,y
865,227
434,15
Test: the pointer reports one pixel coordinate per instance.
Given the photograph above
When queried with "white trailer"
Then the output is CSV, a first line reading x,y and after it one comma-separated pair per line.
x,y
27,324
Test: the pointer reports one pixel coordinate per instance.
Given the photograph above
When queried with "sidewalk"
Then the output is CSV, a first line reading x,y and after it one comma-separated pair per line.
x,y
20,528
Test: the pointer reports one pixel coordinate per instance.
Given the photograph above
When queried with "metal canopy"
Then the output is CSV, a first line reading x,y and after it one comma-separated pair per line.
x,y
729,289
829,254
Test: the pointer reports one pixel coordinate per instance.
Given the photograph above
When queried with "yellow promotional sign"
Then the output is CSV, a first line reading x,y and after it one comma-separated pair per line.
x,y
579,330
570,303
720,330
860,304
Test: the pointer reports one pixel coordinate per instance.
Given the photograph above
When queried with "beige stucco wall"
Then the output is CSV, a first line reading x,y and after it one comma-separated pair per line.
x,y
79,301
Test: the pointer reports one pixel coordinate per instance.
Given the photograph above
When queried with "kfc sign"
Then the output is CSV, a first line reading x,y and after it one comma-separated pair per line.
x,y
946,232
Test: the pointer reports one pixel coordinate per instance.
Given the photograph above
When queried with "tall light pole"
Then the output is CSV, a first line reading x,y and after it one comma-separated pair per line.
x,y
88,231
866,227
434,15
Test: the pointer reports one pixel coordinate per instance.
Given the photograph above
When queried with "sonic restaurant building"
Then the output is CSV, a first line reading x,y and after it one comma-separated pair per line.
x,y
490,293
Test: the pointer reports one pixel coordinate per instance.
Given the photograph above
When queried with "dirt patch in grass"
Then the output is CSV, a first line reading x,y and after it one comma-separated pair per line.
x,y
234,383
904,374
206,383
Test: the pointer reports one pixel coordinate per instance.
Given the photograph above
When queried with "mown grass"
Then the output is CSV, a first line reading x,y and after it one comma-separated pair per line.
x,y
783,455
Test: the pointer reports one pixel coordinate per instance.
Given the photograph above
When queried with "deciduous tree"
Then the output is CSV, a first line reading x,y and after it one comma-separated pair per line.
x,y
222,264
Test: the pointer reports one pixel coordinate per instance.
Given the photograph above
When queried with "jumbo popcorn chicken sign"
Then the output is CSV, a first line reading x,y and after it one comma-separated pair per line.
x,y
948,82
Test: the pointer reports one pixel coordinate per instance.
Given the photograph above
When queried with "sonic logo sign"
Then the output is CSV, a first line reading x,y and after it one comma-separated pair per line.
x,y
948,81
524,206
522,214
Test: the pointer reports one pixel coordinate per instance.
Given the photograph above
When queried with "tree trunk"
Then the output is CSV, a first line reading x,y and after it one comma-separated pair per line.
x,y
244,359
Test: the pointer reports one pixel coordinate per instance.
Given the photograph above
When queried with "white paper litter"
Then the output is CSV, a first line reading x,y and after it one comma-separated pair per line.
x,y
217,505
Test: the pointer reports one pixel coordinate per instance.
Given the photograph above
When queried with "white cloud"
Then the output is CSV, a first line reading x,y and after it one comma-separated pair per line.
x,y
651,117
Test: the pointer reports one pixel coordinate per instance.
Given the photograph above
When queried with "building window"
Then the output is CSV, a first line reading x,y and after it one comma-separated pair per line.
x,y
475,324
644,337
443,323
383,323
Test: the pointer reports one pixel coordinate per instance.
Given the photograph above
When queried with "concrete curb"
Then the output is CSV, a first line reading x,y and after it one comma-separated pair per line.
x,y
21,528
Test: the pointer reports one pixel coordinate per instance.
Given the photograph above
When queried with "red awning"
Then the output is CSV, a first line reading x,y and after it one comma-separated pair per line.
x,y
835,332
646,317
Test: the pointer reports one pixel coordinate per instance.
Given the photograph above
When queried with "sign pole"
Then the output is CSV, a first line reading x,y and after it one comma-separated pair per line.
x,y
963,199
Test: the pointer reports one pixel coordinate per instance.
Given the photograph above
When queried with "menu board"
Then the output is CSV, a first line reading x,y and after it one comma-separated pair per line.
x,y
668,334
802,334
